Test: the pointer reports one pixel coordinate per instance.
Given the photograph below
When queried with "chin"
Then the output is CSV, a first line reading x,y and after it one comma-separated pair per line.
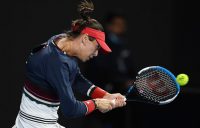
x,y
84,60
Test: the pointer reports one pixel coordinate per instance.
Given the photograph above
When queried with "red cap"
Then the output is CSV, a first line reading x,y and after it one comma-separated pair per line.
x,y
99,36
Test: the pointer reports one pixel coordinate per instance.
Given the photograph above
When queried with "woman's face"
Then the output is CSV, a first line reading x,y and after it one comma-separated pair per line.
x,y
88,49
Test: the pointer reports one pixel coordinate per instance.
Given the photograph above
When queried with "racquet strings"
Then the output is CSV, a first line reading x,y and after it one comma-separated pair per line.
x,y
156,85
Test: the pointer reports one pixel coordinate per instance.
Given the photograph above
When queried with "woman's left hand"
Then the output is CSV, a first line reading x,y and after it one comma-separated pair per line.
x,y
118,99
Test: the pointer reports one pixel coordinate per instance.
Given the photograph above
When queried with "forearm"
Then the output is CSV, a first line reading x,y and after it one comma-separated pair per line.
x,y
96,92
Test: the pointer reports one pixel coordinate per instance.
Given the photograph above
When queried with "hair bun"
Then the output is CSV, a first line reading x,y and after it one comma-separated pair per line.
x,y
85,9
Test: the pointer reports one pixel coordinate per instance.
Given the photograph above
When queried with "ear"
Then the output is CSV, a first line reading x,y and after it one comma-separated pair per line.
x,y
84,39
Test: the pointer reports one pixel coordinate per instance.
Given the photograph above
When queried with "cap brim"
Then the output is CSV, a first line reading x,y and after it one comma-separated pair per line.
x,y
104,46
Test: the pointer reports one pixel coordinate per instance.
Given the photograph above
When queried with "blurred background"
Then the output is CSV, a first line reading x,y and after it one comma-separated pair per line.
x,y
148,32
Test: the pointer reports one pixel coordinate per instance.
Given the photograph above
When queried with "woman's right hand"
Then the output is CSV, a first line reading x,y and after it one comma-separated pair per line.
x,y
104,105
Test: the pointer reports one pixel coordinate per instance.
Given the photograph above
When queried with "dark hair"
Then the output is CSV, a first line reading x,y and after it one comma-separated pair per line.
x,y
85,9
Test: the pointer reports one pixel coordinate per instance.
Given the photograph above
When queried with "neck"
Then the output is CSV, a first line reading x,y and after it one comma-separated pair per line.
x,y
65,46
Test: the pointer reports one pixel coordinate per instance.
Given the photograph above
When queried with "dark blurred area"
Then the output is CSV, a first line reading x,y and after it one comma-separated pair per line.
x,y
164,33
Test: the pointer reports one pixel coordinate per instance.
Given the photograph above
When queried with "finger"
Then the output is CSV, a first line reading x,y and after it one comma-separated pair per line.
x,y
118,103
122,103
113,102
121,97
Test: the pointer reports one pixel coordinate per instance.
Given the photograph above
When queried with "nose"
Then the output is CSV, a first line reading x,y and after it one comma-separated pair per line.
x,y
96,53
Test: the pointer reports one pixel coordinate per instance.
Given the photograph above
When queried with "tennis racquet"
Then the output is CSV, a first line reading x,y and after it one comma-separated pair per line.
x,y
155,85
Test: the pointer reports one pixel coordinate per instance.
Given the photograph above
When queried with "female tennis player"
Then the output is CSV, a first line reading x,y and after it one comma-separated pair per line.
x,y
53,73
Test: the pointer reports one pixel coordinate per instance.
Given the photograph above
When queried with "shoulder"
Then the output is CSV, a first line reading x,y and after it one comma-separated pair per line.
x,y
62,61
